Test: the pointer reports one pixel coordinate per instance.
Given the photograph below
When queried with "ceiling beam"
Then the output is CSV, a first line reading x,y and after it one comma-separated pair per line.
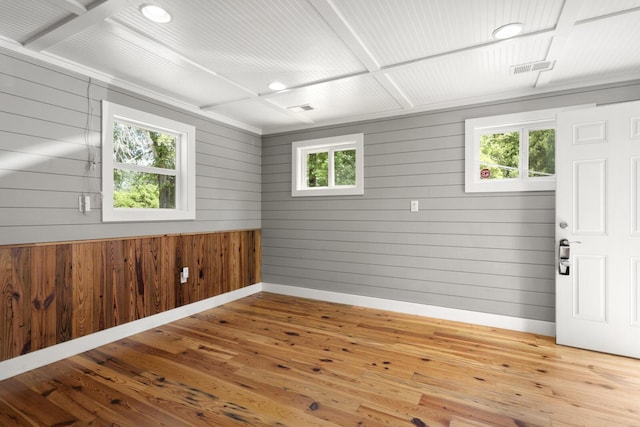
x,y
566,23
392,88
338,23
383,77
70,6
142,40
146,42
68,27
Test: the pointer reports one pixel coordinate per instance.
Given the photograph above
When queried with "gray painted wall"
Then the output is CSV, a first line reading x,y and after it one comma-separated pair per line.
x,y
484,252
491,252
45,140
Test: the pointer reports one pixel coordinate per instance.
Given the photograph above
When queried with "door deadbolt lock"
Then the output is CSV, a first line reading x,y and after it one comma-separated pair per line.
x,y
564,256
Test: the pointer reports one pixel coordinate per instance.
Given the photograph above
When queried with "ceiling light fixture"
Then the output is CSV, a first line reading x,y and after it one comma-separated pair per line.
x,y
277,86
155,13
508,30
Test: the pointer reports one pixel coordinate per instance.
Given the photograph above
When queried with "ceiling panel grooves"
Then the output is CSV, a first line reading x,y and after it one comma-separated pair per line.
x,y
348,59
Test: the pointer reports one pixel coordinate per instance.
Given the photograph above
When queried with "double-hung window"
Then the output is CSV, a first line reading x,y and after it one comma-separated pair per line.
x,y
148,166
328,166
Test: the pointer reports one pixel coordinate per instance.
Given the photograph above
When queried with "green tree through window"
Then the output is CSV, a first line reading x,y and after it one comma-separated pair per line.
x,y
542,152
142,147
318,169
500,153
344,168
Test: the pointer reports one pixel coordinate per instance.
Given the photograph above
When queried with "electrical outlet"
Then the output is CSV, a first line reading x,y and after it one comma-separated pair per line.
x,y
414,206
184,274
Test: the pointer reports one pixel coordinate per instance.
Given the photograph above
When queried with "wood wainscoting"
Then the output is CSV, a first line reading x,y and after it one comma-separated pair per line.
x,y
54,292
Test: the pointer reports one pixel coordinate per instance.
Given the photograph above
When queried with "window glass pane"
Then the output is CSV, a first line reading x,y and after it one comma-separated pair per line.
x,y
345,167
133,189
318,169
143,147
499,155
542,152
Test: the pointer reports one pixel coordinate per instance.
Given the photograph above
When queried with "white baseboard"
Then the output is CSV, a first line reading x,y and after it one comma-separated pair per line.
x,y
36,359
494,320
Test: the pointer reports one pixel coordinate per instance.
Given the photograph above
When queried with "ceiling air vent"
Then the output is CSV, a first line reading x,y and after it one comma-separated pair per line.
x,y
300,108
532,66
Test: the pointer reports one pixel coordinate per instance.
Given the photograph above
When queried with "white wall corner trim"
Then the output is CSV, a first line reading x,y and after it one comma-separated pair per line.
x,y
36,359
539,327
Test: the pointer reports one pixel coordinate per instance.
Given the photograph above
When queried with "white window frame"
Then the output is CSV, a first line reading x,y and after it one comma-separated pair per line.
x,y
184,172
521,122
299,151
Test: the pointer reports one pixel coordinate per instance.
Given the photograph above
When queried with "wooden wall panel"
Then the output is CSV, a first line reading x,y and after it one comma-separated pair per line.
x,y
63,282
9,294
43,297
51,293
82,289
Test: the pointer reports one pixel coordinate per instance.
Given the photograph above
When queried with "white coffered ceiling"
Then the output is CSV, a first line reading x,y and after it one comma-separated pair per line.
x,y
347,59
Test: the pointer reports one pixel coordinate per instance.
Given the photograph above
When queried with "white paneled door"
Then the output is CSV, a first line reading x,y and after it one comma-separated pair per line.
x,y
598,229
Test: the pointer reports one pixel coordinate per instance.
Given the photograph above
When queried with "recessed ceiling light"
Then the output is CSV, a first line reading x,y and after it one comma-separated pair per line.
x,y
277,86
155,13
507,31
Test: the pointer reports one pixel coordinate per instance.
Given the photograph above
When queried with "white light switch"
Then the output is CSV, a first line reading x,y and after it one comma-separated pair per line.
x,y
414,206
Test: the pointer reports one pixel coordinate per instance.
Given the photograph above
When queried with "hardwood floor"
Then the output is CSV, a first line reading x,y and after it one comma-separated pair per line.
x,y
273,360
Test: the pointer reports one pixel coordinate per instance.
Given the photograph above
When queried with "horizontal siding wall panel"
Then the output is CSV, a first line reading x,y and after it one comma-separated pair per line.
x,y
50,126
364,263
228,205
486,252
42,110
470,291
402,214
411,157
47,182
417,139
225,164
451,252
41,163
233,152
209,193
37,199
52,131
486,304
36,145
418,168
539,201
355,224
410,279
14,65
226,173
536,243
23,95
